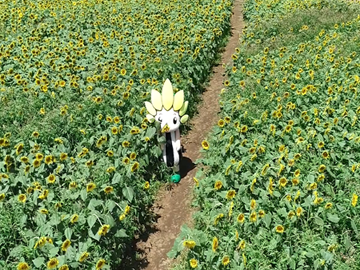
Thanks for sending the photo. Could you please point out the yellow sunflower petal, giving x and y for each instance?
(167, 95)
(178, 100)
(150, 108)
(156, 100)
(184, 108)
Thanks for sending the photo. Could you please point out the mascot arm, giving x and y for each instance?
(177, 140)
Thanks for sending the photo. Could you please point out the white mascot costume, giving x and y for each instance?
(169, 110)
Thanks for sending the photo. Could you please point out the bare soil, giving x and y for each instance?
(172, 207)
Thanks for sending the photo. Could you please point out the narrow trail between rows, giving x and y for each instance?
(173, 207)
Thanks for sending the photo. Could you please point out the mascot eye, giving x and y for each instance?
(160, 120)
(175, 120)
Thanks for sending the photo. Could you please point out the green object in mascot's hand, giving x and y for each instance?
(169, 110)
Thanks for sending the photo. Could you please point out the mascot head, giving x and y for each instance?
(166, 108)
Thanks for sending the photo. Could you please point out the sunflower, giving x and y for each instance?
(51, 179)
(288, 128)
(74, 218)
(125, 144)
(72, 185)
(321, 144)
(19, 148)
(354, 200)
(225, 260)
(252, 204)
(221, 123)
(291, 162)
(44, 211)
(89, 163)
(22, 198)
(299, 211)
(243, 129)
(217, 218)
(126, 160)
(65, 245)
(253, 217)
(328, 205)
(43, 195)
(193, 263)
(84, 256)
(132, 156)
(23, 266)
(36, 134)
(281, 148)
(39, 156)
(2, 197)
(261, 214)
(190, 244)
(282, 182)
(205, 145)
(291, 214)
(261, 149)
(264, 169)
(100, 264)
(40, 243)
(272, 128)
(116, 119)
(146, 185)
(322, 168)
(24, 159)
(58, 205)
(215, 244)
(90, 187)
(318, 200)
(110, 169)
(241, 218)
(270, 186)
(52, 263)
(114, 130)
(135, 166)
(104, 229)
(134, 130)
(230, 194)
(279, 229)
(108, 189)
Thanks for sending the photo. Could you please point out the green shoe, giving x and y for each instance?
(175, 178)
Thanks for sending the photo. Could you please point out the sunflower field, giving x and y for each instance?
(79, 162)
(280, 183)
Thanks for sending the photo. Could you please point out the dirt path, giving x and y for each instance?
(172, 207)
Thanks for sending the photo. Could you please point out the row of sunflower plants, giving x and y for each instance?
(79, 161)
(280, 183)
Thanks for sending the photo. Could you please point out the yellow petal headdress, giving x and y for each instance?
(167, 100)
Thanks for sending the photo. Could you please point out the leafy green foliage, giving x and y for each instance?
(79, 161)
(281, 182)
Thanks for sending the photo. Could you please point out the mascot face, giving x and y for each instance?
(166, 108)
(169, 120)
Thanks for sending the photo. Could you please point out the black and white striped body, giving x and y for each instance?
(172, 149)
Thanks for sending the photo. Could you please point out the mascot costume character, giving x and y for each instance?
(169, 110)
